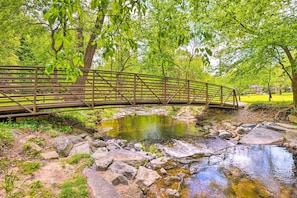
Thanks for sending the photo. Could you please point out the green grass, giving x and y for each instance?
(27, 168)
(284, 99)
(75, 188)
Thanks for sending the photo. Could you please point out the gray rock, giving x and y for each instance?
(157, 163)
(50, 155)
(122, 143)
(63, 145)
(100, 152)
(83, 135)
(146, 177)
(98, 135)
(224, 135)
(103, 163)
(99, 186)
(124, 169)
(248, 125)
(78, 131)
(138, 147)
(241, 130)
(15, 133)
(82, 147)
(115, 178)
(35, 146)
(172, 193)
(75, 139)
(181, 149)
(261, 136)
(99, 143)
(213, 132)
(163, 171)
(112, 145)
(130, 157)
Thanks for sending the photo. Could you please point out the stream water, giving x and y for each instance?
(246, 171)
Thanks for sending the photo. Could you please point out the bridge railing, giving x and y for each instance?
(30, 90)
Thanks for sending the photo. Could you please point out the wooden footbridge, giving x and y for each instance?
(26, 91)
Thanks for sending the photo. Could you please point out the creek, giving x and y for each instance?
(226, 169)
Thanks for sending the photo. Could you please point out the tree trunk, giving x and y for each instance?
(76, 91)
(294, 74)
(294, 86)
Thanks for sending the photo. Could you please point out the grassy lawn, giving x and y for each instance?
(285, 98)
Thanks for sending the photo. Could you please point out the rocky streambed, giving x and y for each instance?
(230, 160)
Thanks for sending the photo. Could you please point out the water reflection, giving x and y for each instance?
(152, 127)
(258, 165)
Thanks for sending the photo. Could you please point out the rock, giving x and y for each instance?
(171, 193)
(34, 146)
(287, 126)
(83, 135)
(130, 157)
(130, 191)
(213, 132)
(292, 118)
(112, 145)
(163, 171)
(157, 163)
(15, 133)
(261, 136)
(75, 139)
(99, 153)
(99, 186)
(78, 131)
(63, 145)
(248, 125)
(181, 149)
(122, 143)
(98, 135)
(124, 169)
(82, 147)
(241, 130)
(146, 177)
(50, 155)
(99, 143)
(26, 138)
(89, 139)
(227, 125)
(138, 147)
(103, 163)
(224, 135)
(114, 178)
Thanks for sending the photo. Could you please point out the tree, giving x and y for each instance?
(256, 33)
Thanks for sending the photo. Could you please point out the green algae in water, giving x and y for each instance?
(152, 127)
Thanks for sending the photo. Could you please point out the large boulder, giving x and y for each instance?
(103, 163)
(124, 169)
(63, 145)
(262, 136)
(146, 177)
(99, 153)
(79, 148)
(99, 187)
(129, 157)
(114, 178)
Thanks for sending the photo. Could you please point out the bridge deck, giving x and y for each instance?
(30, 91)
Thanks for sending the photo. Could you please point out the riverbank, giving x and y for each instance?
(121, 168)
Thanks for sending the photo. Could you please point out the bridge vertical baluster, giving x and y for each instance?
(164, 90)
(188, 91)
(35, 90)
(221, 95)
(93, 89)
(206, 93)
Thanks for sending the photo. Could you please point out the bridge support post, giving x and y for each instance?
(134, 89)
